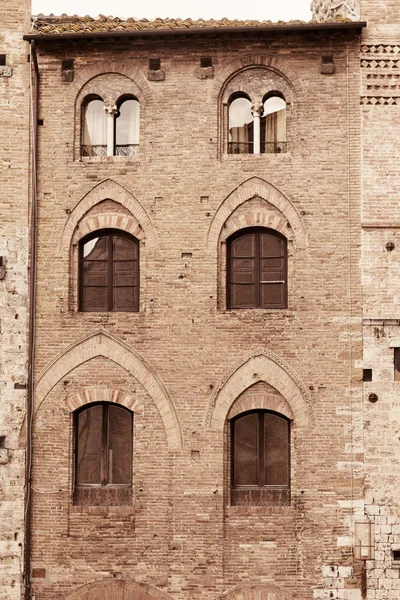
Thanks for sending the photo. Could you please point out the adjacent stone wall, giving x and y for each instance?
(14, 172)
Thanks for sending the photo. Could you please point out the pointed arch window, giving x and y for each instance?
(109, 272)
(256, 269)
(103, 454)
(260, 458)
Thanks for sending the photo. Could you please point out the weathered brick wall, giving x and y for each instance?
(14, 164)
(380, 105)
(186, 357)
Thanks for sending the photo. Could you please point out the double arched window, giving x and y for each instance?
(103, 454)
(260, 458)
(256, 127)
(256, 269)
(110, 130)
(109, 272)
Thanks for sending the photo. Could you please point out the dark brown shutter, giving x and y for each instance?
(95, 265)
(119, 447)
(272, 271)
(242, 272)
(276, 450)
(89, 446)
(257, 270)
(246, 443)
(109, 267)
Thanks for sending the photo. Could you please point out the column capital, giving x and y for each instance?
(257, 108)
(111, 110)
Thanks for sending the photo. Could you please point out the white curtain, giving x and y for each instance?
(127, 123)
(95, 124)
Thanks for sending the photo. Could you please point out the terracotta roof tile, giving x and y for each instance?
(48, 25)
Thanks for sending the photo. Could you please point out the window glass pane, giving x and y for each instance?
(273, 121)
(246, 450)
(95, 249)
(244, 246)
(125, 298)
(89, 446)
(124, 249)
(271, 246)
(276, 440)
(119, 445)
(240, 127)
(95, 299)
(127, 123)
(94, 124)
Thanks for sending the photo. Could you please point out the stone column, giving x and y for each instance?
(111, 111)
(257, 109)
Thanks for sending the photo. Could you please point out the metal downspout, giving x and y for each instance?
(32, 323)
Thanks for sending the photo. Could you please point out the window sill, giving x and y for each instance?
(258, 312)
(261, 156)
(102, 510)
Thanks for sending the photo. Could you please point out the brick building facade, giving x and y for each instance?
(205, 234)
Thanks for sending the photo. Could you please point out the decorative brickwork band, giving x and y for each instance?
(103, 344)
(101, 394)
(256, 187)
(120, 589)
(260, 365)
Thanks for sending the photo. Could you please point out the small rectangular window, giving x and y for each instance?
(397, 364)
(155, 64)
(367, 374)
(3, 60)
(396, 555)
(205, 61)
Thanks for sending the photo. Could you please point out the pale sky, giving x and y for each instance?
(261, 10)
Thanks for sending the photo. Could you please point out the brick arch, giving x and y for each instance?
(255, 186)
(108, 189)
(112, 589)
(260, 592)
(256, 218)
(277, 64)
(103, 68)
(259, 365)
(101, 394)
(108, 221)
(103, 344)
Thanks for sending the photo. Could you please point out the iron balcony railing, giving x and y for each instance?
(101, 150)
(265, 147)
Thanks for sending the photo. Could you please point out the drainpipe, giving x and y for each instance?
(32, 323)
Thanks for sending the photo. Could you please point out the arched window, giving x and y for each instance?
(94, 130)
(103, 454)
(257, 269)
(109, 272)
(127, 122)
(260, 458)
(273, 125)
(240, 139)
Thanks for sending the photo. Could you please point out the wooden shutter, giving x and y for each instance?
(257, 270)
(272, 271)
(109, 273)
(242, 272)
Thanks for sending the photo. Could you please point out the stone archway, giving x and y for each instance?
(119, 589)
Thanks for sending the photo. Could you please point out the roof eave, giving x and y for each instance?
(306, 27)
